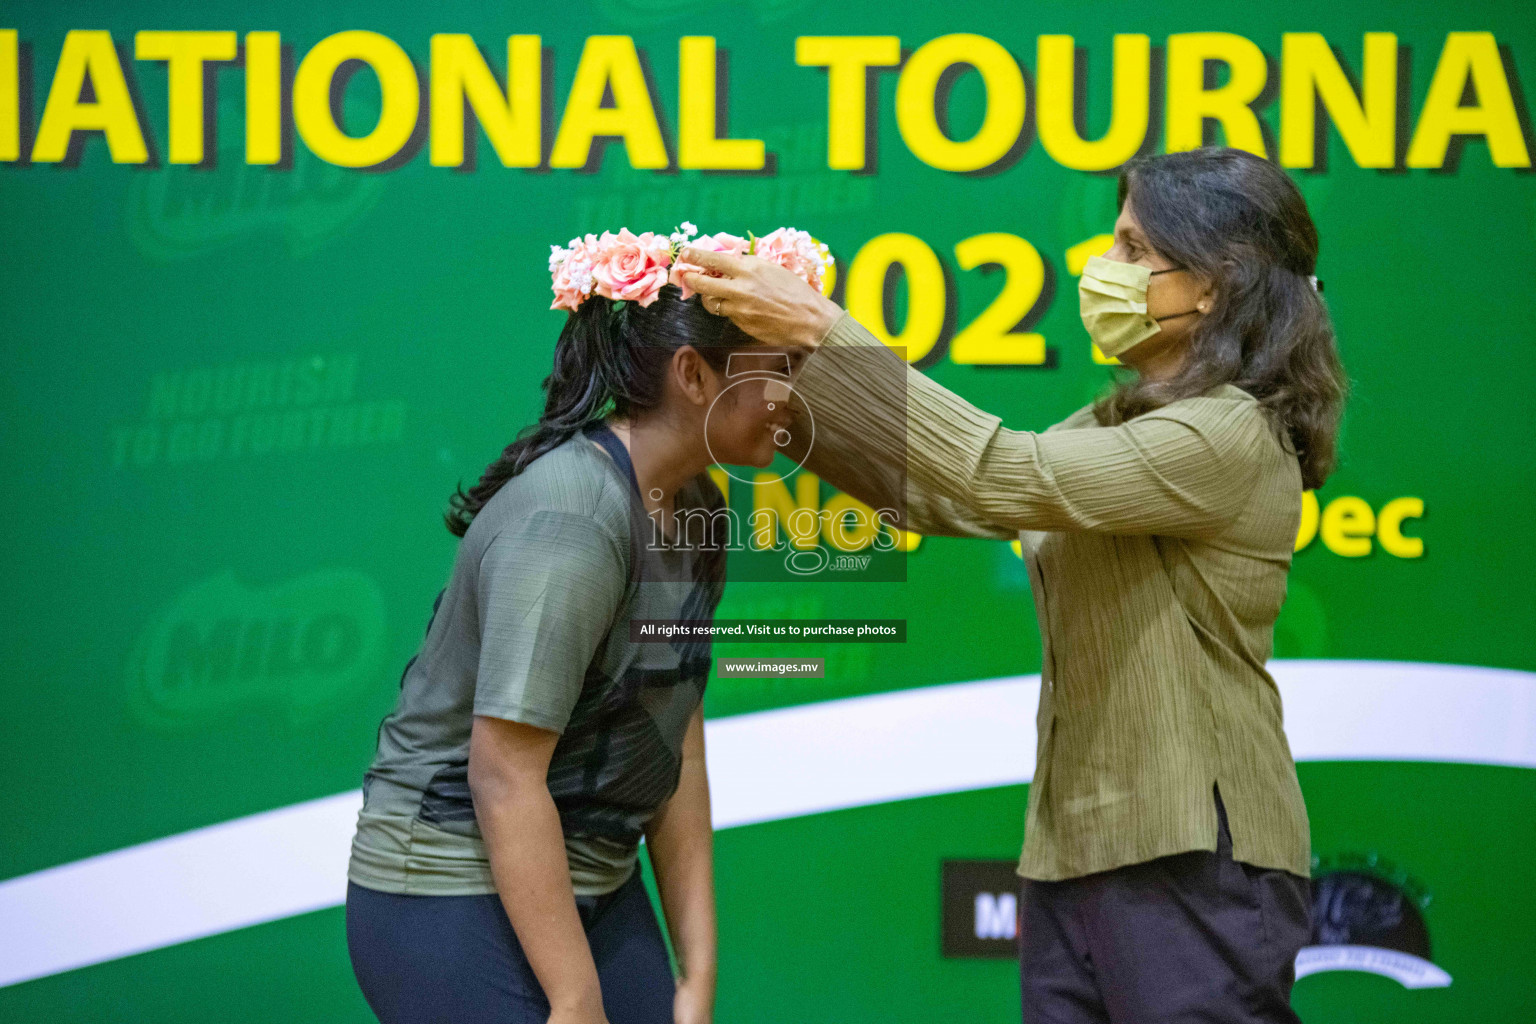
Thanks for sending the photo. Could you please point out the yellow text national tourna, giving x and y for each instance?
(91, 91)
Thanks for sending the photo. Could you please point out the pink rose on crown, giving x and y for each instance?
(795, 251)
(718, 242)
(631, 267)
(571, 270)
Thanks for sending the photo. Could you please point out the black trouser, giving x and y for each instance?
(456, 959)
(1193, 937)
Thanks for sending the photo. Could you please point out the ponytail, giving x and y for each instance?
(577, 391)
(611, 358)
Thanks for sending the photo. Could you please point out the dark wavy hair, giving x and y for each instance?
(1238, 220)
(611, 358)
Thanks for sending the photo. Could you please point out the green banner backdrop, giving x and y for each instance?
(275, 280)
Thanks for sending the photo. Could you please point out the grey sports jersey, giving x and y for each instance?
(533, 626)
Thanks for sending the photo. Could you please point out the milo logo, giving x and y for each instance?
(297, 648)
(185, 210)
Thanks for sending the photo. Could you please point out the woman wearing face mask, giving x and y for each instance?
(1166, 849)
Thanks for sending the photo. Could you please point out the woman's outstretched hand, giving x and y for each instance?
(765, 300)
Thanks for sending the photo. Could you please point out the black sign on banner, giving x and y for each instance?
(980, 908)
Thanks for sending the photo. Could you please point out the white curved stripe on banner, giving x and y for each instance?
(1406, 969)
(764, 766)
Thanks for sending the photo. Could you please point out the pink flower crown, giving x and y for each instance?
(632, 268)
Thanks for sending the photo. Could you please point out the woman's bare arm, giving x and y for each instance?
(508, 765)
(680, 838)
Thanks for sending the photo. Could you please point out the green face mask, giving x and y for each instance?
(1112, 297)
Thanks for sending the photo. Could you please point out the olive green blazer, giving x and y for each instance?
(1157, 551)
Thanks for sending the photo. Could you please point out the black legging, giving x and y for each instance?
(456, 959)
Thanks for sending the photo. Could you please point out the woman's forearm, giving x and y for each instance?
(681, 842)
(682, 853)
(526, 848)
(867, 427)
